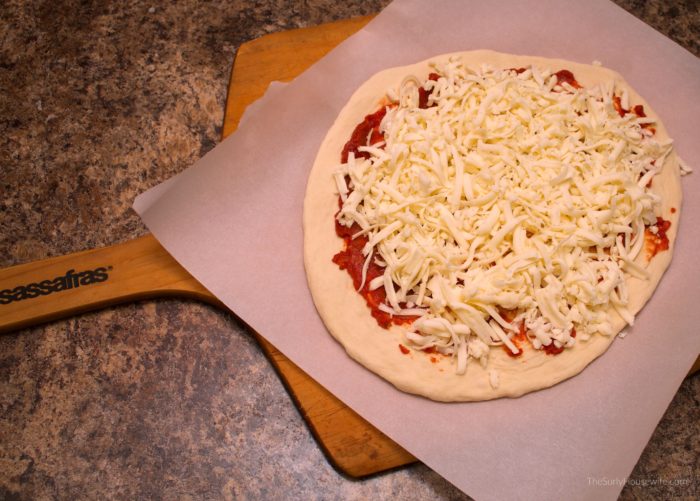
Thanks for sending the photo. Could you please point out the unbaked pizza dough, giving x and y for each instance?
(346, 314)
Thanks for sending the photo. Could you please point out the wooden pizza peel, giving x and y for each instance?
(143, 269)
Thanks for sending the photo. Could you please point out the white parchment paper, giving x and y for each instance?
(234, 221)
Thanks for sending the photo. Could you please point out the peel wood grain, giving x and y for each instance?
(142, 268)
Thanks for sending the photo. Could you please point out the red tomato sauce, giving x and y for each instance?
(565, 76)
(365, 134)
(351, 258)
(551, 349)
(423, 94)
(637, 110)
(431, 350)
(657, 242)
(521, 337)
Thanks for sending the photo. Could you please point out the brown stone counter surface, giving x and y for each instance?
(173, 399)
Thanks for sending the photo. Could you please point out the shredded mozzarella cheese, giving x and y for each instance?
(510, 191)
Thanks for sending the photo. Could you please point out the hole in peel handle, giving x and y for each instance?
(62, 286)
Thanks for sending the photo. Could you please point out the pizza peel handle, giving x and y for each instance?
(58, 287)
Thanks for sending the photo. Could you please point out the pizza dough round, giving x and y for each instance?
(345, 312)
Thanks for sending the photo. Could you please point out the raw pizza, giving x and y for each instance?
(481, 225)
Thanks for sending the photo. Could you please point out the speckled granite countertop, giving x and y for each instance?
(98, 102)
